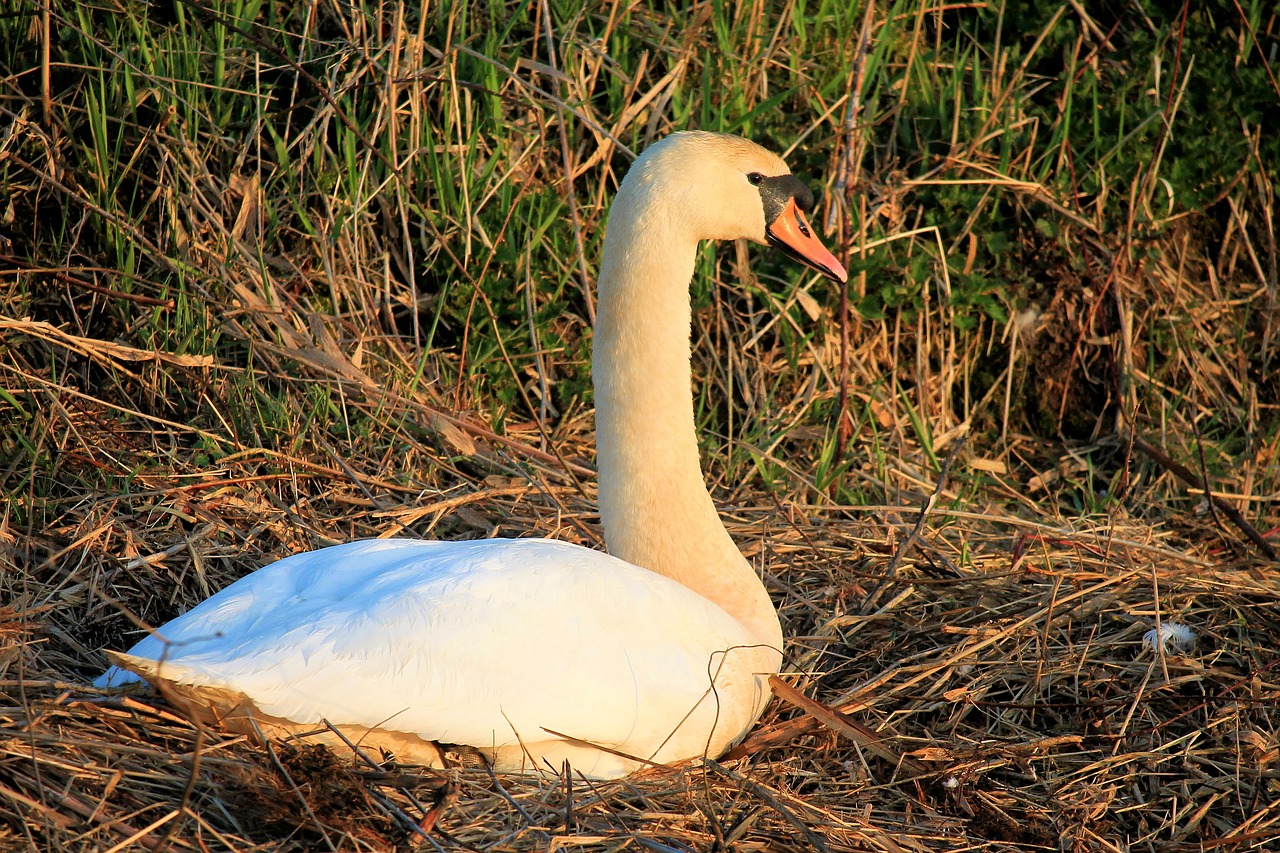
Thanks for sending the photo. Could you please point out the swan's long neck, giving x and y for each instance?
(653, 499)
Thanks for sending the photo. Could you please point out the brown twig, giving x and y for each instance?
(926, 507)
(1186, 475)
(566, 154)
(66, 278)
(46, 48)
(846, 177)
(867, 739)
(815, 842)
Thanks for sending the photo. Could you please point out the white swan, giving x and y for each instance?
(535, 651)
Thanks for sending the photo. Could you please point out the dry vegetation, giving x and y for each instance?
(276, 277)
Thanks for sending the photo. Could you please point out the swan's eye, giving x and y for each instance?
(756, 179)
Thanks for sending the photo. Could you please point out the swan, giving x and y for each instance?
(537, 652)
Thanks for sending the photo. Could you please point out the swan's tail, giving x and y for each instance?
(215, 706)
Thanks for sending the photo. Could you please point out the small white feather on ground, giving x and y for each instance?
(1171, 636)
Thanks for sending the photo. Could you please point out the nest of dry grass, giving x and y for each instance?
(995, 690)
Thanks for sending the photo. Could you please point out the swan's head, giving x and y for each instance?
(724, 187)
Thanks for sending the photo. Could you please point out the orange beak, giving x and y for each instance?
(790, 232)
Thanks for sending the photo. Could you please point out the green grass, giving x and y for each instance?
(408, 201)
(275, 274)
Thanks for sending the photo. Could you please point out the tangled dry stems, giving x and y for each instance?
(1000, 681)
(968, 676)
(1010, 703)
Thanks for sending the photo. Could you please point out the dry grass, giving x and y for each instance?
(214, 354)
(1013, 703)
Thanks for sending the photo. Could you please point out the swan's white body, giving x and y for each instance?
(477, 643)
(534, 651)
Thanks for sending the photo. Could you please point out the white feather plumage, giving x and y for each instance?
(389, 633)
(1170, 637)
